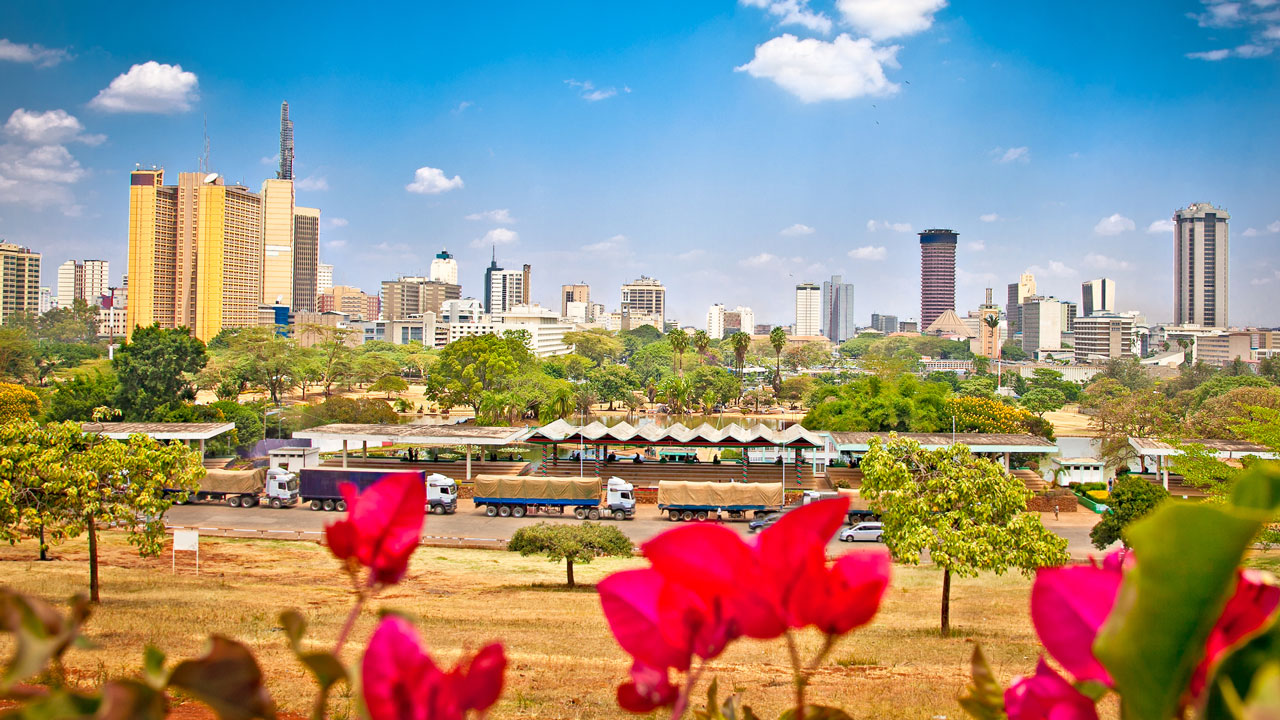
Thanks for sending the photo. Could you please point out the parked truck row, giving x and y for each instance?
(520, 495)
(683, 500)
(316, 487)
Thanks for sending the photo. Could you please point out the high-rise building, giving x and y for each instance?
(1042, 319)
(808, 310)
(884, 323)
(715, 321)
(352, 301)
(70, 280)
(1018, 292)
(988, 341)
(306, 258)
(20, 287)
(1097, 296)
(1069, 312)
(837, 309)
(645, 296)
(286, 144)
(88, 281)
(444, 269)
(410, 296)
(277, 241)
(739, 319)
(1102, 336)
(937, 274)
(504, 289)
(324, 278)
(1200, 265)
(580, 293)
(46, 300)
(195, 253)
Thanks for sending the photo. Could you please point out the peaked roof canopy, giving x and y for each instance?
(652, 434)
(949, 323)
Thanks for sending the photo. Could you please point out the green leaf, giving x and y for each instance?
(227, 679)
(1168, 603)
(58, 705)
(295, 626)
(1238, 673)
(983, 699)
(325, 666)
(40, 632)
(817, 712)
(153, 666)
(1263, 702)
(131, 700)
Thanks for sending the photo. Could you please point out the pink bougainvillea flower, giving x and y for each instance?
(382, 527)
(842, 597)
(1251, 608)
(650, 688)
(630, 600)
(401, 682)
(1046, 696)
(1068, 606)
(792, 554)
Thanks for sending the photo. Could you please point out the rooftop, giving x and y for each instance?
(461, 434)
(159, 431)
(978, 442)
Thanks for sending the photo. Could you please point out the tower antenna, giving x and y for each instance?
(204, 159)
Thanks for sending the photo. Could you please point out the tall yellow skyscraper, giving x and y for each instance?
(278, 245)
(195, 253)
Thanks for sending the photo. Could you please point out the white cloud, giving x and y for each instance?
(1220, 14)
(975, 245)
(501, 216)
(874, 225)
(51, 127)
(612, 244)
(1251, 232)
(431, 181)
(1010, 155)
(151, 87)
(497, 236)
(589, 92)
(691, 255)
(313, 182)
(1274, 227)
(1260, 281)
(796, 230)
(1272, 33)
(815, 70)
(793, 12)
(1252, 51)
(462, 106)
(869, 252)
(1056, 268)
(39, 177)
(1114, 225)
(335, 244)
(1210, 55)
(882, 19)
(1160, 227)
(989, 217)
(35, 54)
(1102, 262)
(760, 260)
(336, 222)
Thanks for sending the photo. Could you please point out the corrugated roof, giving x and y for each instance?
(978, 442)
(678, 434)
(462, 434)
(159, 431)
(1223, 448)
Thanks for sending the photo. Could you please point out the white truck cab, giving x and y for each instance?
(442, 494)
(620, 496)
(281, 488)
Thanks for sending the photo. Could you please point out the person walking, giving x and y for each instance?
(1055, 511)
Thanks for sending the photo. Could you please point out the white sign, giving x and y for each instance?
(187, 541)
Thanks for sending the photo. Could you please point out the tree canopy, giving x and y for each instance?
(155, 368)
(572, 543)
(1132, 498)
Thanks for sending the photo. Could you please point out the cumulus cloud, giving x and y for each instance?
(497, 236)
(869, 252)
(151, 87)
(796, 230)
(1219, 14)
(1004, 156)
(883, 19)
(1158, 227)
(1251, 232)
(1271, 228)
(39, 177)
(432, 181)
(501, 216)
(760, 260)
(52, 127)
(1056, 268)
(612, 244)
(975, 245)
(1103, 262)
(589, 92)
(37, 55)
(874, 225)
(989, 217)
(815, 70)
(313, 182)
(1259, 18)
(336, 222)
(1274, 227)
(1114, 225)
(793, 12)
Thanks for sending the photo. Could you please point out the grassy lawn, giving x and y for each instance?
(563, 661)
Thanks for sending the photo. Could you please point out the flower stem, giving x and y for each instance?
(798, 679)
(682, 701)
(350, 623)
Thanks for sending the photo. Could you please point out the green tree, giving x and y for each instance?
(679, 340)
(612, 383)
(872, 404)
(715, 380)
(740, 342)
(676, 393)
(369, 367)
(778, 340)
(570, 543)
(155, 368)
(17, 353)
(982, 363)
(644, 335)
(701, 342)
(856, 347)
(1128, 372)
(595, 344)
(967, 512)
(1131, 415)
(471, 366)
(983, 387)
(1132, 498)
(77, 397)
(331, 348)
(262, 357)
(1012, 351)
(796, 389)
(652, 362)
(389, 384)
(1041, 400)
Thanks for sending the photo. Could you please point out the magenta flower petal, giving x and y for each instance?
(400, 680)
(1251, 608)
(1046, 696)
(383, 525)
(1068, 605)
(630, 600)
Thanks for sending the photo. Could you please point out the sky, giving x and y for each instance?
(729, 149)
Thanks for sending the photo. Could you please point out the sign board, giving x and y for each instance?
(187, 541)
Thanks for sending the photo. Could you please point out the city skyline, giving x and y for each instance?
(616, 167)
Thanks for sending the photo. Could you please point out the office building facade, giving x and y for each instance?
(884, 323)
(1200, 246)
(715, 321)
(88, 281)
(645, 297)
(1042, 320)
(837, 309)
(277, 242)
(1102, 336)
(1018, 292)
(937, 274)
(324, 278)
(306, 257)
(444, 268)
(808, 310)
(20, 284)
(739, 319)
(580, 293)
(354, 302)
(409, 296)
(1097, 296)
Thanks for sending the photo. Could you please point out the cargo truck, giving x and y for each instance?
(683, 500)
(246, 488)
(319, 489)
(517, 496)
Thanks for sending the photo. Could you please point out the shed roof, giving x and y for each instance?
(977, 442)
(1153, 447)
(653, 434)
(159, 431)
(461, 434)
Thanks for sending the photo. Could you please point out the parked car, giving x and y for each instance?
(763, 522)
(867, 531)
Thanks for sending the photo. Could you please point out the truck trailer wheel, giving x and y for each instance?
(594, 514)
(505, 511)
(275, 503)
(234, 501)
(316, 505)
(702, 515)
(673, 515)
(687, 515)
(517, 511)
(328, 505)
(248, 501)
(340, 506)
(490, 510)
(438, 509)
(580, 513)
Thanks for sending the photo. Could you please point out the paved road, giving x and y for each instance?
(473, 527)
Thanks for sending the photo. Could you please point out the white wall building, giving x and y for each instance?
(808, 310)
(1042, 320)
(1097, 296)
(444, 268)
(1102, 336)
(715, 321)
(324, 279)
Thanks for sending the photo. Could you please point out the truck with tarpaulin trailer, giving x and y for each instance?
(245, 488)
(319, 487)
(520, 495)
(688, 500)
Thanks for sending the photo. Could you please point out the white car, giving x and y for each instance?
(867, 531)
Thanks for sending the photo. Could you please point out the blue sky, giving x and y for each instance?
(728, 149)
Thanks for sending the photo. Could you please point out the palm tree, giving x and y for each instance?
(778, 339)
(708, 402)
(633, 403)
(679, 343)
(675, 393)
(583, 399)
(740, 342)
(701, 342)
(561, 401)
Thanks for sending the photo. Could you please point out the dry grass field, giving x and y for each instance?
(563, 661)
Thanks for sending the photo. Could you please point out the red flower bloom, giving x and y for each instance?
(845, 596)
(630, 600)
(1046, 696)
(382, 527)
(650, 688)
(1068, 606)
(1251, 608)
(401, 682)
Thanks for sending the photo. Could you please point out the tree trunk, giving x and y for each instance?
(946, 602)
(570, 566)
(93, 560)
(44, 554)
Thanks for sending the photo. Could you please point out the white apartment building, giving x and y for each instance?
(324, 279)
(506, 289)
(87, 281)
(740, 319)
(1097, 296)
(1102, 336)
(444, 268)
(645, 296)
(577, 312)
(715, 321)
(1042, 320)
(808, 310)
